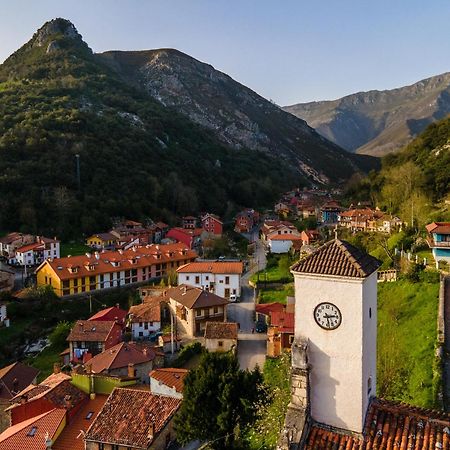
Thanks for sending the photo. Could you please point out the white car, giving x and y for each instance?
(233, 298)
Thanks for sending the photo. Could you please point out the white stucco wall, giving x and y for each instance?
(139, 327)
(277, 246)
(343, 359)
(156, 387)
(206, 280)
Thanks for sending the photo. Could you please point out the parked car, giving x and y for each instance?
(261, 327)
(233, 298)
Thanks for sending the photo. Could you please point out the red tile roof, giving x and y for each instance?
(388, 426)
(193, 297)
(132, 418)
(338, 258)
(283, 320)
(149, 311)
(268, 308)
(18, 437)
(218, 267)
(138, 257)
(119, 356)
(171, 377)
(109, 314)
(95, 331)
(284, 237)
(221, 330)
(71, 437)
(439, 227)
(14, 378)
(29, 247)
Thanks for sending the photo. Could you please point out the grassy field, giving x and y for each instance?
(74, 249)
(277, 270)
(406, 342)
(276, 294)
(265, 432)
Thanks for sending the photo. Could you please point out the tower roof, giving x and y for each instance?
(338, 258)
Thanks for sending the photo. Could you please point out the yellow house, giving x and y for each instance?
(101, 240)
(79, 274)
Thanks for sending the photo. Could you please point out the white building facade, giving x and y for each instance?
(223, 278)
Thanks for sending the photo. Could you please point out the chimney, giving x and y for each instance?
(151, 431)
(145, 351)
(117, 306)
(68, 402)
(131, 370)
(56, 367)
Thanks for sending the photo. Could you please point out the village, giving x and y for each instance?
(193, 287)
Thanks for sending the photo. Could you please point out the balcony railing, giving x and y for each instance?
(438, 244)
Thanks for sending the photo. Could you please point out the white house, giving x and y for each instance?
(4, 321)
(37, 252)
(280, 243)
(168, 382)
(223, 278)
(145, 319)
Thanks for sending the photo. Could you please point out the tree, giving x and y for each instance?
(219, 400)
(59, 335)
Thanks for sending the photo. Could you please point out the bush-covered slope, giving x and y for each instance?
(137, 158)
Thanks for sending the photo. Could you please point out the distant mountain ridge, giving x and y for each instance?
(237, 115)
(379, 122)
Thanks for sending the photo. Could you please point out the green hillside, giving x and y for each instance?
(137, 158)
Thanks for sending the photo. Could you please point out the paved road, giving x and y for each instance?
(251, 346)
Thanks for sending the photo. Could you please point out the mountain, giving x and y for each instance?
(139, 157)
(237, 115)
(379, 122)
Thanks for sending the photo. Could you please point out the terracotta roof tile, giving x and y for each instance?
(338, 258)
(132, 417)
(439, 227)
(112, 313)
(150, 311)
(221, 330)
(389, 426)
(283, 320)
(94, 331)
(221, 267)
(14, 378)
(30, 434)
(171, 377)
(71, 437)
(267, 308)
(193, 297)
(119, 356)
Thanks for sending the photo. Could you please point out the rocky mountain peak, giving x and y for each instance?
(53, 29)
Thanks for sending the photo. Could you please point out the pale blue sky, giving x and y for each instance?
(288, 51)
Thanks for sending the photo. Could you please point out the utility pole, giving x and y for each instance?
(171, 332)
(77, 159)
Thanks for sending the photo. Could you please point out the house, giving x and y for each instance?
(189, 222)
(109, 269)
(169, 343)
(6, 280)
(329, 212)
(168, 382)
(363, 220)
(133, 419)
(14, 378)
(439, 241)
(92, 338)
(282, 243)
(4, 320)
(306, 209)
(145, 318)
(36, 433)
(310, 236)
(212, 225)
(193, 308)
(56, 391)
(276, 227)
(280, 333)
(12, 241)
(114, 313)
(333, 371)
(221, 336)
(71, 437)
(189, 237)
(102, 240)
(221, 277)
(246, 220)
(37, 252)
(124, 359)
(264, 310)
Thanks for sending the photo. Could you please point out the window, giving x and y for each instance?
(291, 339)
(216, 309)
(141, 333)
(197, 280)
(101, 446)
(207, 278)
(370, 313)
(187, 277)
(198, 312)
(146, 326)
(227, 280)
(114, 447)
(220, 343)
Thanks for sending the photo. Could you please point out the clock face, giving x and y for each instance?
(327, 316)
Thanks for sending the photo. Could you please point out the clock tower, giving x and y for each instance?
(336, 322)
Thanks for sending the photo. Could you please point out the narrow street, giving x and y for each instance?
(251, 346)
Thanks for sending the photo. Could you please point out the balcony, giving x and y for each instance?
(436, 244)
